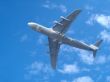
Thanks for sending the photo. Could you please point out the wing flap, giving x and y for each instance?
(63, 25)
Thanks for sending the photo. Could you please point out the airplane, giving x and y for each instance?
(56, 36)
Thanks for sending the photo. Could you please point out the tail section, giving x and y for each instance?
(96, 47)
(97, 44)
(94, 53)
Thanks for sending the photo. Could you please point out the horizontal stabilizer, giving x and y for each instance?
(94, 53)
(97, 44)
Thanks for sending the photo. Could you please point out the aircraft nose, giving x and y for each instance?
(32, 24)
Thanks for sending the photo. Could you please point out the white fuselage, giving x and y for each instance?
(46, 31)
(59, 37)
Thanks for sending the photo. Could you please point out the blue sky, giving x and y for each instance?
(24, 53)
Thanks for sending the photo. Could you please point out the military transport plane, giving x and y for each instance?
(56, 36)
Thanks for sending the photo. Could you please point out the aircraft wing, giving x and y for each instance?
(63, 25)
(54, 49)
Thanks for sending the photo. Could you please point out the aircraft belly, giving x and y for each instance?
(56, 36)
(75, 43)
(50, 33)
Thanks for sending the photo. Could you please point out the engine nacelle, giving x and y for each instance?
(56, 22)
(64, 18)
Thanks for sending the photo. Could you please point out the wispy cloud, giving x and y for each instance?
(50, 5)
(66, 48)
(91, 20)
(23, 38)
(62, 8)
(83, 79)
(36, 68)
(86, 57)
(105, 35)
(41, 39)
(70, 69)
(33, 53)
(89, 8)
(101, 60)
(102, 19)
(64, 81)
(108, 79)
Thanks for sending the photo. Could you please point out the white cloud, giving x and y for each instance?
(69, 69)
(101, 60)
(91, 20)
(105, 36)
(63, 8)
(86, 57)
(36, 68)
(83, 79)
(101, 19)
(50, 5)
(66, 48)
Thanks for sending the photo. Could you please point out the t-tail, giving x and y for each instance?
(96, 47)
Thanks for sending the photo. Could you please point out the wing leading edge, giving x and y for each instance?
(54, 49)
(63, 25)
